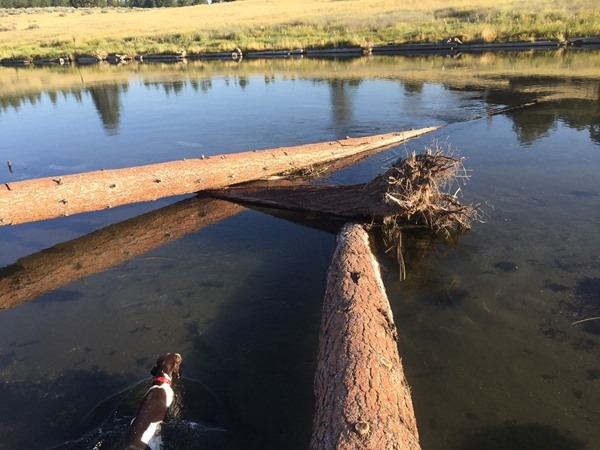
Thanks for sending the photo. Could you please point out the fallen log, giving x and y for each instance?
(410, 194)
(362, 398)
(49, 269)
(46, 198)
(36, 274)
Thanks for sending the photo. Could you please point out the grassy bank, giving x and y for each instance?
(277, 24)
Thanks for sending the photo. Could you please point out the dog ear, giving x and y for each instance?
(176, 372)
(177, 369)
(155, 370)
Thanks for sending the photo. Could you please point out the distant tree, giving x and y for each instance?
(84, 3)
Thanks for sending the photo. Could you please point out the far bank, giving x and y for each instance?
(259, 25)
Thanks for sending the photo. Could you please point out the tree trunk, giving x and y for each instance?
(46, 198)
(362, 398)
(413, 193)
(34, 275)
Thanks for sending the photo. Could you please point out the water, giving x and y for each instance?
(485, 320)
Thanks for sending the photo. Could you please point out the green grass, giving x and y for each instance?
(284, 24)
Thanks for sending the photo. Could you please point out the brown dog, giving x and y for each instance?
(144, 428)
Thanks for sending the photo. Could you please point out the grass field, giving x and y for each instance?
(277, 24)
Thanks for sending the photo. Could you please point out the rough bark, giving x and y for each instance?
(362, 398)
(416, 192)
(36, 274)
(46, 198)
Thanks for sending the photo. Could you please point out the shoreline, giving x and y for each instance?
(451, 47)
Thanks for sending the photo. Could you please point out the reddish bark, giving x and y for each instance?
(362, 398)
(46, 198)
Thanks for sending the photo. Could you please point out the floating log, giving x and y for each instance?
(36, 274)
(41, 272)
(454, 45)
(49, 61)
(15, 62)
(510, 46)
(412, 193)
(584, 42)
(296, 53)
(235, 55)
(336, 52)
(160, 57)
(46, 198)
(413, 49)
(85, 60)
(116, 58)
(362, 398)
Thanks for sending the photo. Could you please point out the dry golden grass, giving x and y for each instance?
(259, 24)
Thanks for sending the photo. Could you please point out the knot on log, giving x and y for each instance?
(362, 428)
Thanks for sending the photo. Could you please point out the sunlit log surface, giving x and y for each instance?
(414, 192)
(46, 198)
(36, 274)
(362, 398)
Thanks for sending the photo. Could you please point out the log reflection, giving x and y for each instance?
(36, 274)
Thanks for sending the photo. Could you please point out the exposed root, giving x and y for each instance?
(424, 190)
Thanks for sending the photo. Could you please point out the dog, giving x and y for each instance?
(144, 428)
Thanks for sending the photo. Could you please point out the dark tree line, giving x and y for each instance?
(102, 3)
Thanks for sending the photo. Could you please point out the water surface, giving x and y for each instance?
(485, 320)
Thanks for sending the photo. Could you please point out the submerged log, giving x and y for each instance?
(362, 398)
(36, 274)
(46, 198)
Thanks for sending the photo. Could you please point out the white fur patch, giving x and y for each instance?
(168, 391)
(150, 432)
(151, 436)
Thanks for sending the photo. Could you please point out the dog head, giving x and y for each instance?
(169, 364)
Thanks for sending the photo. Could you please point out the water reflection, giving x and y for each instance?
(107, 100)
(573, 99)
(485, 321)
(342, 93)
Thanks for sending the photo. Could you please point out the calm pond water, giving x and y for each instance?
(485, 320)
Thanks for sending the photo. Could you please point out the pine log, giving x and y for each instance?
(362, 398)
(36, 274)
(415, 192)
(352, 202)
(46, 198)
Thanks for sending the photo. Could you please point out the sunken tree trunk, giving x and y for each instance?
(362, 398)
(46, 198)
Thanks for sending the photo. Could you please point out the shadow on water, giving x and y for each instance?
(243, 362)
(515, 436)
(199, 417)
(66, 396)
